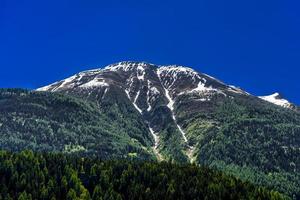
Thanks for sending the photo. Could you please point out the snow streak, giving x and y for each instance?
(170, 105)
(156, 143)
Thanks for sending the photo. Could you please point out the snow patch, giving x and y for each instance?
(201, 88)
(190, 154)
(105, 91)
(181, 130)
(277, 100)
(67, 81)
(60, 84)
(140, 73)
(170, 100)
(151, 93)
(156, 143)
(45, 88)
(96, 82)
(149, 97)
(235, 89)
(205, 93)
(135, 100)
(127, 93)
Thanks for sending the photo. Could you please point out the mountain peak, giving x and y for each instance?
(177, 69)
(277, 99)
(128, 66)
(277, 95)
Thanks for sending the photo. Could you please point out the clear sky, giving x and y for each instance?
(252, 44)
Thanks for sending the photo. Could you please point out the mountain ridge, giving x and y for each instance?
(129, 65)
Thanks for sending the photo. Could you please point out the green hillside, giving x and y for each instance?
(252, 139)
(43, 121)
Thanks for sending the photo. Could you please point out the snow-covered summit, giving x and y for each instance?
(136, 76)
(277, 99)
(177, 78)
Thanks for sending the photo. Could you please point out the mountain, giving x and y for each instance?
(154, 92)
(143, 111)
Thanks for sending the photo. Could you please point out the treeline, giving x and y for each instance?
(29, 175)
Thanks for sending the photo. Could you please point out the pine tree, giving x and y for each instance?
(97, 193)
(71, 195)
(24, 196)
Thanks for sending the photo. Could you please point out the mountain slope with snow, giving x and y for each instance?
(165, 97)
(150, 88)
(172, 113)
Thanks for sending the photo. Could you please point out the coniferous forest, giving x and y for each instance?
(29, 175)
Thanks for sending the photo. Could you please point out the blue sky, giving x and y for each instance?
(251, 44)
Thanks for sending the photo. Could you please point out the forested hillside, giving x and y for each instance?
(27, 175)
(249, 138)
(61, 123)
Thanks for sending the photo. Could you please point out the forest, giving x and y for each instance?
(27, 175)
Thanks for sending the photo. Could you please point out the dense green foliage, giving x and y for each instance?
(44, 121)
(26, 176)
(252, 139)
